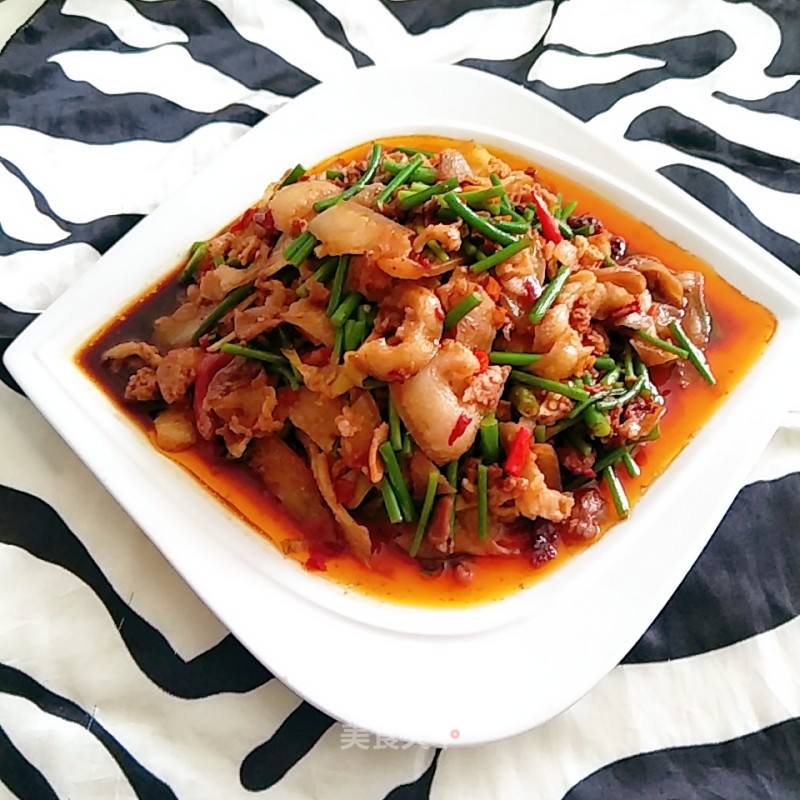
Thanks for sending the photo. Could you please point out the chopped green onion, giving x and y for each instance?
(399, 179)
(573, 392)
(524, 400)
(461, 309)
(345, 309)
(514, 359)
(395, 430)
(695, 353)
(578, 442)
(251, 352)
(500, 255)
(540, 434)
(627, 361)
(649, 387)
(481, 195)
(322, 274)
(334, 174)
(198, 251)
(390, 502)
(630, 465)
(420, 196)
(604, 362)
(407, 450)
(610, 458)
(479, 223)
(578, 410)
(300, 249)
(584, 230)
(596, 422)
(425, 175)
(451, 473)
(565, 229)
(337, 288)
(610, 378)
(232, 299)
(559, 427)
(548, 296)
(483, 500)
(609, 262)
(369, 174)
(566, 211)
(219, 260)
(618, 495)
(490, 438)
(613, 400)
(398, 482)
(410, 151)
(294, 176)
(355, 331)
(338, 344)
(662, 344)
(425, 514)
(437, 250)
(512, 226)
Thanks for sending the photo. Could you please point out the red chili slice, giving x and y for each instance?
(458, 429)
(483, 359)
(550, 229)
(242, 221)
(518, 452)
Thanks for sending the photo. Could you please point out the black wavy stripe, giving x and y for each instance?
(100, 233)
(715, 194)
(418, 16)
(419, 789)
(37, 94)
(266, 764)
(30, 524)
(332, 29)
(12, 323)
(786, 103)
(19, 775)
(146, 785)
(516, 69)
(5, 375)
(691, 137)
(746, 581)
(214, 41)
(761, 766)
(786, 14)
(684, 57)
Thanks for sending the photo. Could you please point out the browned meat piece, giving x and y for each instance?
(176, 372)
(142, 386)
(289, 478)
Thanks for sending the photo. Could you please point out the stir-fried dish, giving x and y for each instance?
(420, 350)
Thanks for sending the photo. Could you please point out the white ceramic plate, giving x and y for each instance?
(440, 677)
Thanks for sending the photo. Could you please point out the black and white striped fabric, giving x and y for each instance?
(115, 681)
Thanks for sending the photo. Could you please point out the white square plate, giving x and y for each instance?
(369, 663)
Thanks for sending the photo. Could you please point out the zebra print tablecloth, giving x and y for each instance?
(115, 681)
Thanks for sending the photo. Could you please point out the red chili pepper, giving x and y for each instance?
(518, 452)
(623, 311)
(210, 365)
(461, 425)
(242, 221)
(483, 359)
(550, 229)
